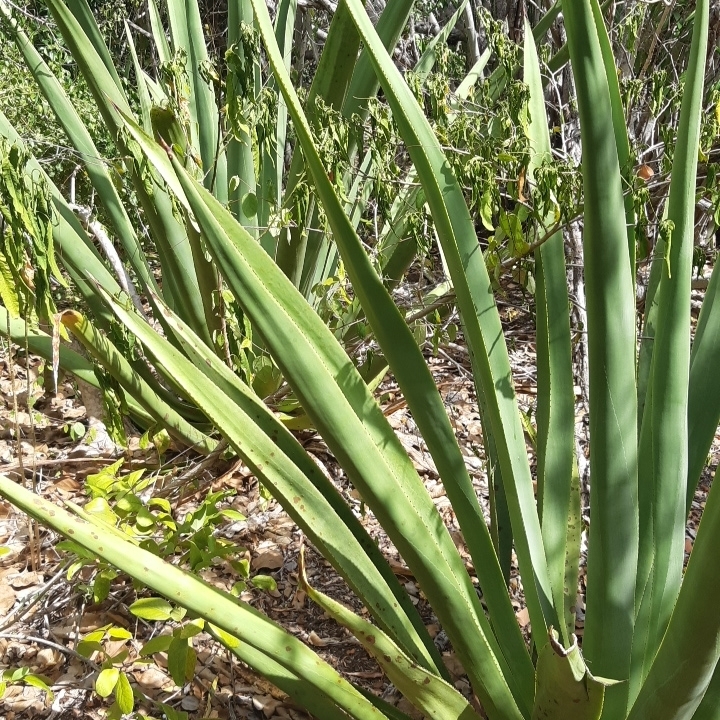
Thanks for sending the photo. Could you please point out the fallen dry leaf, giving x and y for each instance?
(7, 599)
(269, 559)
(190, 703)
(454, 666)
(267, 704)
(316, 640)
(152, 679)
(47, 657)
(523, 617)
(26, 579)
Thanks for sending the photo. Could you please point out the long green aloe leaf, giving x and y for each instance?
(664, 435)
(688, 654)
(709, 708)
(481, 320)
(613, 543)
(86, 20)
(434, 697)
(304, 245)
(704, 388)
(141, 83)
(555, 388)
(365, 83)
(415, 380)
(622, 141)
(227, 612)
(341, 407)
(241, 90)
(294, 479)
(273, 146)
(158, 32)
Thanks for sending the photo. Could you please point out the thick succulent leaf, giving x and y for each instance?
(555, 387)
(186, 31)
(84, 15)
(622, 140)
(476, 73)
(228, 613)
(690, 648)
(141, 81)
(709, 708)
(664, 435)
(272, 164)
(340, 405)
(704, 385)
(158, 32)
(241, 167)
(286, 469)
(434, 697)
(613, 545)
(303, 250)
(365, 83)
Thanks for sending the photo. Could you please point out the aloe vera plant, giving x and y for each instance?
(650, 646)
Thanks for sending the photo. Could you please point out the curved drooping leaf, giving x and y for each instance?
(420, 391)
(663, 467)
(340, 406)
(434, 697)
(222, 609)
